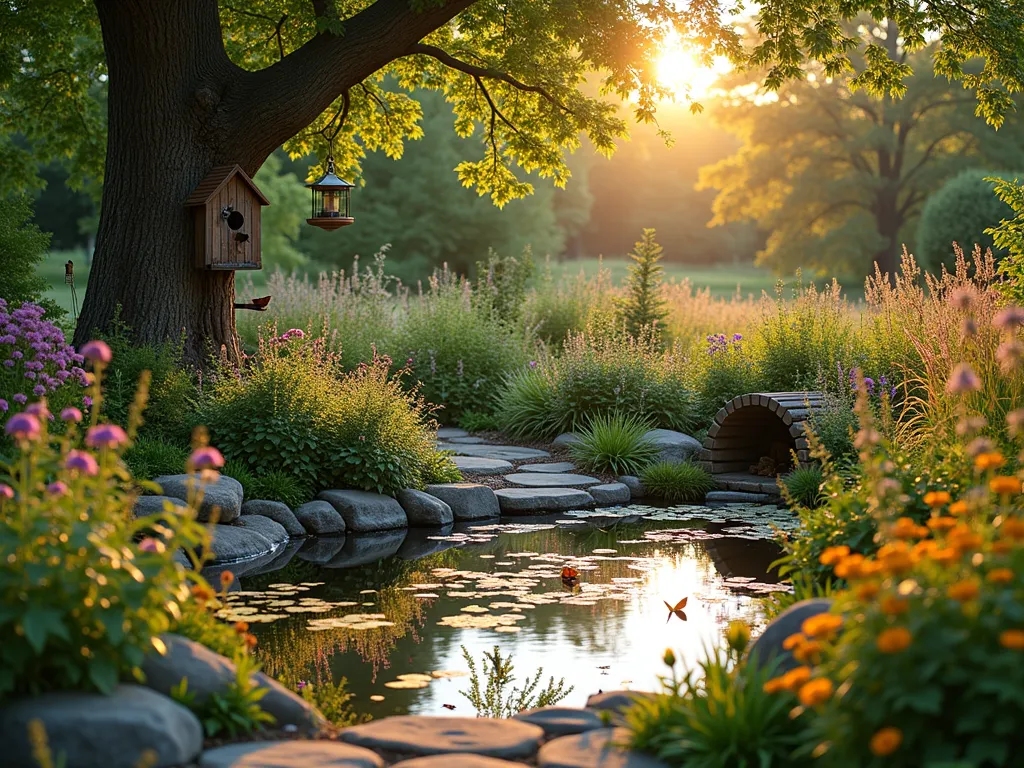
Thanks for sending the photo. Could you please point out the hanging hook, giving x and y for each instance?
(340, 118)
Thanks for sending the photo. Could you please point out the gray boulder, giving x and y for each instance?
(209, 673)
(528, 501)
(561, 721)
(225, 495)
(636, 487)
(769, 645)
(276, 511)
(279, 560)
(92, 729)
(364, 548)
(566, 439)
(468, 501)
(593, 749)
(673, 447)
(270, 530)
(321, 549)
(366, 512)
(424, 510)
(240, 543)
(320, 518)
(610, 493)
(301, 753)
(154, 505)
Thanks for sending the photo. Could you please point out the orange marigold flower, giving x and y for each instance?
(1012, 639)
(893, 640)
(989, 460)
(226, 577)
(832, 555)
(250, 640)
(896, 557)
(959, 508)
(850, 567)
(793, 679)
(1004, 485)
(202, 593)
(894, 606)
(963, 591)
(1002, 547)
(815, 692)
(774, 685)
(793, 641)
(963, 538)
(906, 528)
(1012, 528)
(946, 555)
(822, 625)
(808, 653)
(941, 523)
(867, 590)
(241, 627)
(937, 498)
(886, 741)
(1000, 576)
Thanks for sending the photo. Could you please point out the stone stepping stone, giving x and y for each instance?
(555, 466)
(566, 438)
(530, 501)
(456, 761)
(289, 754)
(477, 466)
(112, 731)
(439, 735)
(467, 440)
(552, 480)
(561, 721)
(610, 493)
(446, 433)
(594, 749)
(506, 452)
(468, 501)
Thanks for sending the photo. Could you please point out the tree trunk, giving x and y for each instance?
(888, 223)
(163, 139)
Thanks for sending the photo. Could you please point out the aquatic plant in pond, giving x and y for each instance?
(495, 700)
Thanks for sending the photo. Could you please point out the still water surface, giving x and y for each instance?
(407, 614)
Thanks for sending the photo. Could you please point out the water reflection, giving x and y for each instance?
(501, 585)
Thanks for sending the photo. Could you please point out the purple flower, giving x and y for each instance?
(302, 684)
(206, 458)
(86, 401)
(20, 399)
(9, 338)
(6, 492)
(737, 337)
(56, 488)
(71, 414)
(105, 436)
(23, 426)
(8, 363)
(963, 379)
(39, 410)
(38, 390)
(149, 544)
(80, 461)
(3, 405)
(97, 352)
(1007, 320)
(294, 333)
(533, 363)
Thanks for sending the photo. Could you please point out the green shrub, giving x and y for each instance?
(477, 421)
(84, 591)
(439, 468)
(331, 699)
(717, 715)
(294, 410)
(959, 211)
(236, 709)
(557, 308)
(803, 485)
(615, 443)
(834, 424)
(239, 470)
(643, 305)
(277, 485)
(501, 282)
(721, 373)
(22, 247)
(683, 482)
(148, 458)
(493, 700)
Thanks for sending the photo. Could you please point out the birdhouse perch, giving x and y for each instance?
(226, 216)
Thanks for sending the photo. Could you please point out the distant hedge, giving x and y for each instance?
(960, 211)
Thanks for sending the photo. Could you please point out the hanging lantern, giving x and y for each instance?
(331, 204)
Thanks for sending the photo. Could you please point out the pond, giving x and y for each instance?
(394, 627)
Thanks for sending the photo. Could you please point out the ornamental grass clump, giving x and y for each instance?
(679, 482)
(85, 587)
(615, 443)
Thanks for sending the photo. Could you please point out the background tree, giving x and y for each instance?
(191, 87)
(835, 177)
(643, 305)
(22, 246)
(283, 221)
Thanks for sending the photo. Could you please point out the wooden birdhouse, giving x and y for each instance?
(226, 216)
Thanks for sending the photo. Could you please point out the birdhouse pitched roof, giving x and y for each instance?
(216, 179)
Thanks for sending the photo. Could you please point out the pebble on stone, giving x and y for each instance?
(474, 465)
(550, 480)
(520, 501)
(438, 735)
(594, 749)
(289, 754)
(561, 721)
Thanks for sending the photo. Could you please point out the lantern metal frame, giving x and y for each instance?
(331, 200)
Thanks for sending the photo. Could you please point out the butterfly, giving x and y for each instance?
(448, 706)
(570, 575)
(676, 610)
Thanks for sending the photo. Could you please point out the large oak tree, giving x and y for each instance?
(192, 84)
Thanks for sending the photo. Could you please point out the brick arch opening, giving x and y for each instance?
(763, 424)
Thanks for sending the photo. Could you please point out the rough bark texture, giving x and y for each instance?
(177, 108)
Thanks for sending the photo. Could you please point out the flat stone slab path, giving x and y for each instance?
(550, 480)
(445, 433)
(290, 754)
(592, 749)
(437, 735)
(561, 721)
(555, 466)
(507, 452)
(478, 466)
(467, 440)
(530, 501)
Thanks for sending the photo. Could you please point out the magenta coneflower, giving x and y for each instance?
(206, 458)
(23, 426)
(6, 492)
(105, 436)
(82, 462)
(56, 488)
(71, 414)
(149, 544)
(962, 380)
(97, 351)
(1009, 318)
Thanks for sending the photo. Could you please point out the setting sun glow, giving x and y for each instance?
(680, 70)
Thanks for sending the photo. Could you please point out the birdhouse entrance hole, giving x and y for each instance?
(235, 220)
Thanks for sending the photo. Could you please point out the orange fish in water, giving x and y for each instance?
(570, 575)
(676, 610)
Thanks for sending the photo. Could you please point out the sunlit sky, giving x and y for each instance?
(680, 69)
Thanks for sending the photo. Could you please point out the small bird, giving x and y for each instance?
(676, 610)
(448, 706)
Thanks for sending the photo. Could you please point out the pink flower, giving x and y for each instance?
(71, 414)
(105, 436)
(23, 426)
(963, 379)
(56, 488)
(97, 351)
(1009, 318)
(86, 401)
(294, 333)
(80, 461)
(149, 544)
(39, 410)
(6, 492)
(206, 458)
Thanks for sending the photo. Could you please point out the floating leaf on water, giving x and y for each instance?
(345, 604)
(426, 595)
(406, 684)
(511, 628)
(311, 584)
(308, 608)
(415, 677)
(474, 609)
(376, 697)
(280, 603)
(505, 562)
(486, 557)
(604, 551)
(444, 674)
(469, 621)
(367, 604)
(368, 592)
